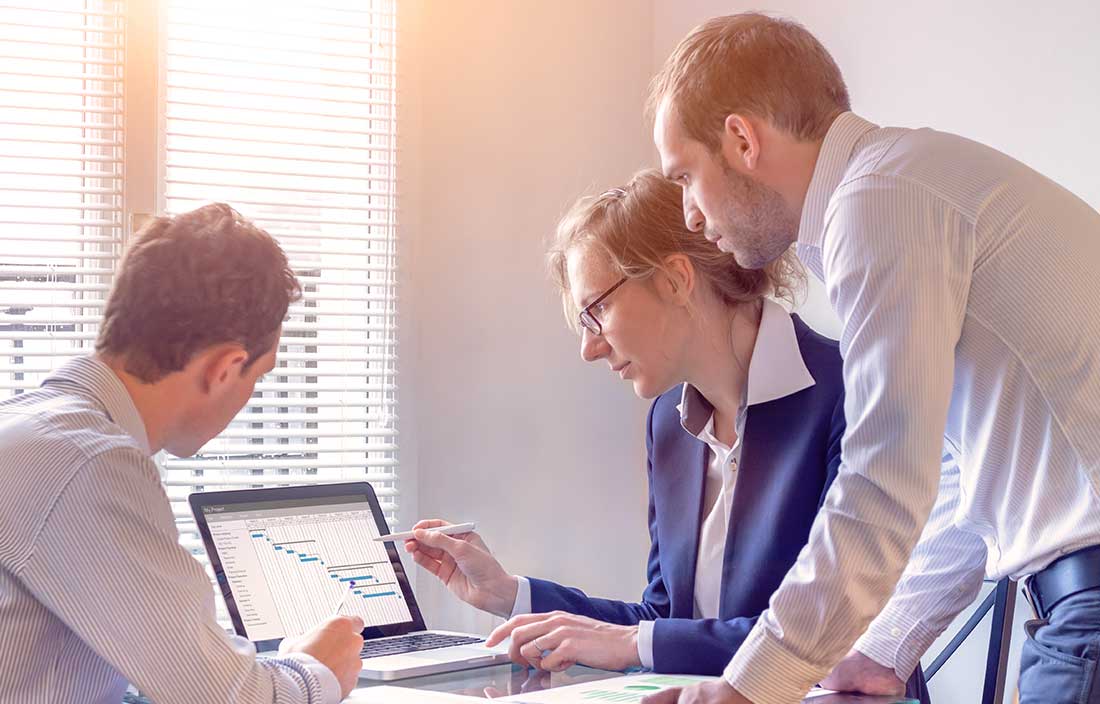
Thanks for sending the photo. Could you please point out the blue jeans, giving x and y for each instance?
(1058, 664)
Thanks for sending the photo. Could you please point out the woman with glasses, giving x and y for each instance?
(743, 440)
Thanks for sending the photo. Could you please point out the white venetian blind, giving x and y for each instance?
(286, 110)
(60, 180)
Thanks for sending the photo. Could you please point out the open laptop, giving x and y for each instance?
(285, 558)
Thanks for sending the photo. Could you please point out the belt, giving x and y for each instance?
(1068, 575)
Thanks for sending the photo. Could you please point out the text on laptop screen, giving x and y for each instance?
(290, 562)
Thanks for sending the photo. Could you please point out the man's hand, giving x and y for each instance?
(558, 640)
(717, 692)
(335, 644)
(859, 673)
(464, 564)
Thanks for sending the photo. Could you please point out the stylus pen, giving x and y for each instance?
(456, 529)
(340, 604)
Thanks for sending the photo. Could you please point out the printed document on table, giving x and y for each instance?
(624, 689)
(405, 695)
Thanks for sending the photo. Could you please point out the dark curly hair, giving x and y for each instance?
(191, 281)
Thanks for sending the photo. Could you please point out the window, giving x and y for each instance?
(288, 114)
(292, 122)
(60, 180)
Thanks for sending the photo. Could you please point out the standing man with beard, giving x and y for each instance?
(963, 280)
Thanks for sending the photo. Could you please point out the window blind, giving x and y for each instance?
(288, 114)
(60, 180)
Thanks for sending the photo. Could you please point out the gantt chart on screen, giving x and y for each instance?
(290, 563)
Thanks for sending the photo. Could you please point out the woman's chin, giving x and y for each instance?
(643, 390)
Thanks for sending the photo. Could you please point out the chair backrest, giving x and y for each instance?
(1002, 601)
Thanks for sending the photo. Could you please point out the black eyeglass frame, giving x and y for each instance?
(587, 319)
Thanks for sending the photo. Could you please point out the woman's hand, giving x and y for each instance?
(464, 564)
(558, 640)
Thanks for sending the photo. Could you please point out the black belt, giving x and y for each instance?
(1068, 575)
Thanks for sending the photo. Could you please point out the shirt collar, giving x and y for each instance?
(832, 162)
(775, 370)
(97, 380)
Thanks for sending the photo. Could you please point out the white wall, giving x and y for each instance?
(1018, 76)
(512, 109)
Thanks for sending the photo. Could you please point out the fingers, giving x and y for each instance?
(668, 696)
(431, 523)
(435, 539)
(344, 622)
(414, 547)
(505, 629)
(556, 651)
(562, 656)
(537, 636)
(427, 562)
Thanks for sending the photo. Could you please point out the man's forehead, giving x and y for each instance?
(667, 137)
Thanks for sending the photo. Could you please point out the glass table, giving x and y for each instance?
(504, 680)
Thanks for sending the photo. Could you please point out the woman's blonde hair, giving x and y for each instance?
(639, 225)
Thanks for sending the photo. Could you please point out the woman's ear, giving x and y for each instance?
(678, 280)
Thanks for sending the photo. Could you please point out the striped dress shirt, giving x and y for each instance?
(95, 590)
(965, 284)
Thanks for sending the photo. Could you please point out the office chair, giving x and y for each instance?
(1003, 602)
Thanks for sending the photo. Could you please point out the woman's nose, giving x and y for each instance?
(593, 346)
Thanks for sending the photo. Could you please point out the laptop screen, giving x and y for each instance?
(290, 562)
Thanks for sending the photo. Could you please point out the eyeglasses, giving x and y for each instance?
(588, 319)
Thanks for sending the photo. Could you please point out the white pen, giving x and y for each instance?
(340, 604)
(445, 530)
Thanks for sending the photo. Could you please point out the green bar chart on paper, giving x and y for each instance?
(623, 689)
(632, 689)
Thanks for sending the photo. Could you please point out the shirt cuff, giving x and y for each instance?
(645, 644)
(763, 671)
(330, 686)
(896, 639)
(522, 604)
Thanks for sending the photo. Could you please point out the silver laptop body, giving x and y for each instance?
(285, 558)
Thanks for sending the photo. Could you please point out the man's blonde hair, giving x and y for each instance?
(638, 226)
(750, 64)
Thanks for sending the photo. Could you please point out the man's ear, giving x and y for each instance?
(740, 142)
(220, 364)
(677, 279)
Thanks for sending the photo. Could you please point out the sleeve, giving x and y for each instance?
(943, 576)
(897, 262)
(522, 604)
(108, 563)
(645, 644)
(548, 596)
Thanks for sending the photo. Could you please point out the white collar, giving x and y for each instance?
(832, 162)
(776, 369)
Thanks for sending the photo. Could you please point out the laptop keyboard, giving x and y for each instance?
(414, 642)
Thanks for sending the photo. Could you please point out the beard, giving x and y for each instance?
(756, 225)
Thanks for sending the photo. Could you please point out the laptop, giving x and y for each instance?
(286, 558)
